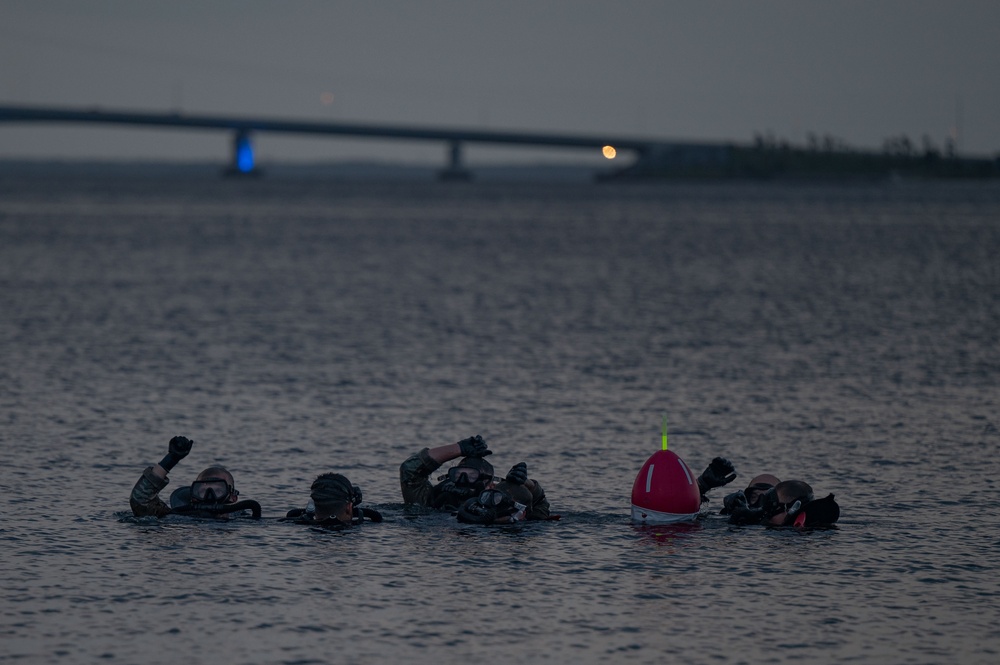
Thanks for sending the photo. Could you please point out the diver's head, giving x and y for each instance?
(334, 496)
(758, 487)
(472, 472)
(519, 493)
(491, 505)
(214, 485)
(784, 501)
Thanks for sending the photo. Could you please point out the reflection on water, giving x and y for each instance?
(845, 335)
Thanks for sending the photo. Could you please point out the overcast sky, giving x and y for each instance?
(860, 71)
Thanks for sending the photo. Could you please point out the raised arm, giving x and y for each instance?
(414, 473)
(720, 472)
(145, 499)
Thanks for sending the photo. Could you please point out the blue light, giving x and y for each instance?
(244, 154)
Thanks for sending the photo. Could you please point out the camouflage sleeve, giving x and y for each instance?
(414, 476)
(539, 509)
(145, 498)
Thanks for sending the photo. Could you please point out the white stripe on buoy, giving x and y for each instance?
(685, 467)
(647, 516)
(649, 477)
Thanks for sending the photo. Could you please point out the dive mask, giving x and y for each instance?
(499, 501)
(754, 492)
(214, 490)
(464, 476)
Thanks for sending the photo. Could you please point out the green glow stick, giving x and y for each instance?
(664, 431)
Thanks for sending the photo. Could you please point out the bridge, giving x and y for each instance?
(242, 161)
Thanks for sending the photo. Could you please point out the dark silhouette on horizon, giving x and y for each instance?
(652, 158)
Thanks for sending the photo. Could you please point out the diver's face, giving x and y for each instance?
(754, 495)
(345, 515)
(779, 518)
(468, 477)
(212, 487)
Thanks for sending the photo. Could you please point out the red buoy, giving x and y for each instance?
(665, 491)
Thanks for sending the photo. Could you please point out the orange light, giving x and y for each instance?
(609, 152)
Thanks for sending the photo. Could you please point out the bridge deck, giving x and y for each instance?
(255, 124)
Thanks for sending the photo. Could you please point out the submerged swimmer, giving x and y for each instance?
(780, 503)
(334, 503)
(212, 494)
(465, 481)
(513, 499)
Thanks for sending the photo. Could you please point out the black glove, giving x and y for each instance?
(474, 446)
(739, 510)
(732, 502)
(518, 474)
(180, 446)
(720, 472)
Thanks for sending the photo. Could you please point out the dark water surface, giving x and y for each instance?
(844, 335)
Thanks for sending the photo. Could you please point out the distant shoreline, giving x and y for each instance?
(346, 171)
(742, 165)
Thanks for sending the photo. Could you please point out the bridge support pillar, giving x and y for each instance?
(455, 170)
(242, 163)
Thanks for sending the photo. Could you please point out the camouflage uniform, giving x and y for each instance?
(145, 498)
(414, 478)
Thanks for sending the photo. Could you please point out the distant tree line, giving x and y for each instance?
(893, 146)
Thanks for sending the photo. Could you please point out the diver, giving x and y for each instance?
(783, 503)
(492, 506)
(334, 503)
(212, 494)
(467, 480)
(527, 492)
(514, 499)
